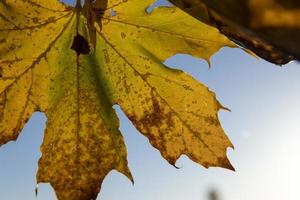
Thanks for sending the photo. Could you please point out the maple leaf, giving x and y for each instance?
(269, 28)
(74, 64)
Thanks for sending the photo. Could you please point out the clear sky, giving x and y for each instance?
(263, 126)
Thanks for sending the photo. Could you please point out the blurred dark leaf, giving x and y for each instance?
(213, 195)
(270, 28)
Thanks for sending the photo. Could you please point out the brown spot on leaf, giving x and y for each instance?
(154, 118)
(212, 121)
(2, 40)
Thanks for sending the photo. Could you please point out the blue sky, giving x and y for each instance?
(263, 126)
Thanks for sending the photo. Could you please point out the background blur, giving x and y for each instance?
(263, 126)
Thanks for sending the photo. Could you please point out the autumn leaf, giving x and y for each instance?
(74, 64)
(270, 28)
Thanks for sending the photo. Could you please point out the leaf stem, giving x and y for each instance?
(78, 5)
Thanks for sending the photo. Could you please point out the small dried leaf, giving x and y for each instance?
(269, 28)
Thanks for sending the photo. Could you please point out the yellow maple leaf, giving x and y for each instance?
(74, 64)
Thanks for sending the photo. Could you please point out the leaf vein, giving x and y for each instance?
(16, 28)
(42, 55)
(162, 31)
